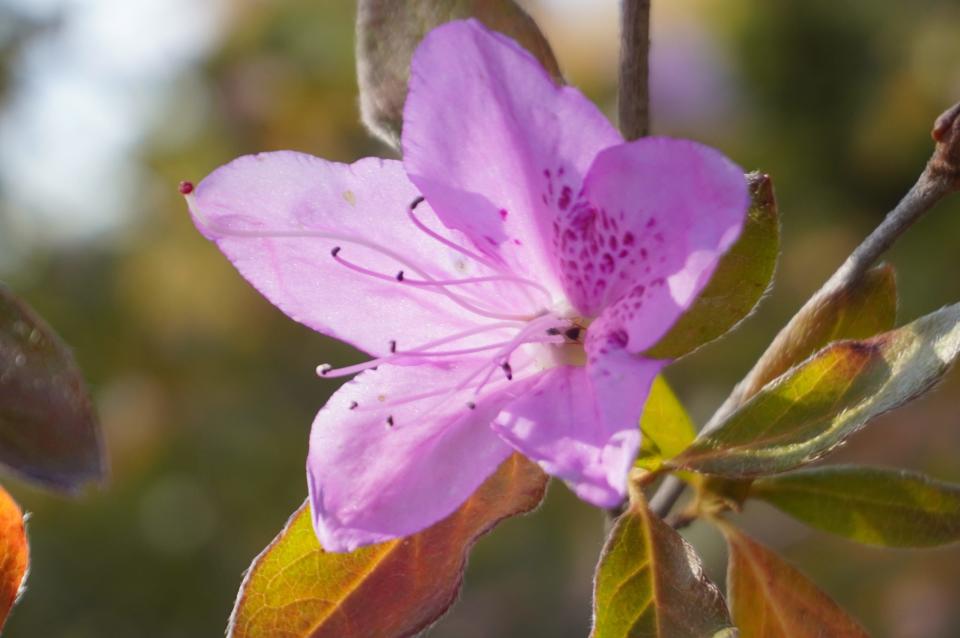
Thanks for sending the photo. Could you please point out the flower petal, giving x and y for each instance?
(495, 146)
(277, 216)
(372, 480)
(581, 424)
(654, 219)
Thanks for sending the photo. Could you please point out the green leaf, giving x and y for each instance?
(808, 411)
(14, 554)
(650, 584)
(771, 599)
(859, 311)
(877, 506)
(48, 430)
(740, 280)
(666, 428)
(388, 32)
(297, 590)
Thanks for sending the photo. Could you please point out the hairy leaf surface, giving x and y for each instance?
(809, 410)
(877, 506)
(858, 312)
(295, 589)
(650, 584)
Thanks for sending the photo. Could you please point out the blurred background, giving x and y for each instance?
(206, 392)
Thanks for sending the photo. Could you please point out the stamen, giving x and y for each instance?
(446, 242)
(393, 346)
(457, 299)
(478, 280)
(354, 405)
(507, 370)
(471, 405)
(390, 421)
(360, 241)
(326, 370)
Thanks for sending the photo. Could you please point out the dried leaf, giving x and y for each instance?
(740, 280)
(295, 589)
(877, 506)
(650, 584)
(771, 599)
(14, 554)
(388, 32)
(811, 409)
(48, 430)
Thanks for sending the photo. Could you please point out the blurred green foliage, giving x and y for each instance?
(207, 392)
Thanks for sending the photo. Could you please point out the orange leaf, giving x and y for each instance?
(771, 599)
(295, 589)
(14, 554)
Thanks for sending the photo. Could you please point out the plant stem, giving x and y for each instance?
(634, 97)
(940, 177)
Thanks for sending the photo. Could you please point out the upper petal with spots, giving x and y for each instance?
(495, 145)
(645, 236)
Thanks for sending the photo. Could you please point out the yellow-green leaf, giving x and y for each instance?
(14, 554)
(388, 32)
(769, 598)
(650, 584)
(295, 589)
(666, 428)
(877, 506)
(738, 283)
(809, 410)
(858, 311)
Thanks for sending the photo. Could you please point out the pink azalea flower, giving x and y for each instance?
(506, 277)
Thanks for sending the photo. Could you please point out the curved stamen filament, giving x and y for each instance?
(325, 370)
(429, 285)
(350, 239)
(446, 242)
(334, 373)
(479, 280)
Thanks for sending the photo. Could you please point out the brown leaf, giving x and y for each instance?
(650, 584)
(771, 599)
(14, 554)
(48, 430)
(295, 589)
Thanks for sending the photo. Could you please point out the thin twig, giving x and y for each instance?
(634, 96)
(633, 99)
(940, 177)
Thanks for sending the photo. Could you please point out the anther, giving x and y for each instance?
(393, 346)
(185, 187)
(324, 369)
(471, 405)
(507, 370)
(335, 251)
(416, 202)
(572, 333)
(354, 405)
(390, 420)
(400, 276)
(553, 331)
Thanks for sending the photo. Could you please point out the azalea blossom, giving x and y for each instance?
(506, 279)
